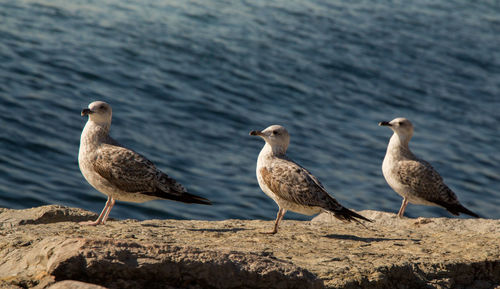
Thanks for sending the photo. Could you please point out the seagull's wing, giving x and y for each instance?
(293, 183)
(426, 183)
(133, 173)
(125, 169)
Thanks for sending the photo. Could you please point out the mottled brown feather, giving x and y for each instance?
(293, 183)
(125, 169)
(425, 182)
(131, 172)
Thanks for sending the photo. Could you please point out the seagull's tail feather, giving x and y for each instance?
(192, 199)
(184, 197)
(457, 208)
(168, 188)
(345, 214)
(342, 213)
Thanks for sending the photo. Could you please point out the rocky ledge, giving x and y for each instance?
(45, 247)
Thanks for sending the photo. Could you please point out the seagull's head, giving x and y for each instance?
(401, 126)
(276, 136)
(99, 112)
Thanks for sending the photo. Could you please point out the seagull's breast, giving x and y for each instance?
(263, 185)
(389, 170)
(86, 157)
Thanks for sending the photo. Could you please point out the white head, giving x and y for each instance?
(276, 136)
(99, 112)
(401, 127)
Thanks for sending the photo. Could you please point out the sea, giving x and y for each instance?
(189, 79)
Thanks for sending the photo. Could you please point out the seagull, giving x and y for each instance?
(291, 186)
(413, 178)
(119, 172)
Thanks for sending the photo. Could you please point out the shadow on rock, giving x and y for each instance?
(366, 240)
(218, 230)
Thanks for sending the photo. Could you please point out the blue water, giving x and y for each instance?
(188, 80)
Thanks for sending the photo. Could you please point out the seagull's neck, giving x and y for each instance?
(94, 133)
(399, 147)
(277, 151)
(268, 152)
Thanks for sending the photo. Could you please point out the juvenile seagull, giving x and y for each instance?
(291, 186)
(412, 178)
(121, 173)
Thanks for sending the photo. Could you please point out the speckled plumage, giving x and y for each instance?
(119, 172)
(295, 188)
(412, 178)
(291, 186)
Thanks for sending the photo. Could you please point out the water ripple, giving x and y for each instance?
(189, 79)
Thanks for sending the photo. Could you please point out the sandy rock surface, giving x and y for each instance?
(44, 247)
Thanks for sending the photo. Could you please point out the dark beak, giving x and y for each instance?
(384, 123)
(86, 111)
(256, 132)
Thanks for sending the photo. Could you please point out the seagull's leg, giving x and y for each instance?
(101, 216)
(279, 216)
(108, 211)
(403, 207)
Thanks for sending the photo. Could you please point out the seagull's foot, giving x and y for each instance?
(90, 223)
(270, 232)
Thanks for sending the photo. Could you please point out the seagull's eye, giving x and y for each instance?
(275, 132)
(401, 123)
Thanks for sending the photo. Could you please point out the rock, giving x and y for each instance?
(7, 285)
(43, 215)
(43, 247)
(71, 284)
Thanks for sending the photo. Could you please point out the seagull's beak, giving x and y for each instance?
(256, 132)
(384, 123)
(86, 111)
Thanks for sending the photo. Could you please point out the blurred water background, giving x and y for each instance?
(188, 80)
